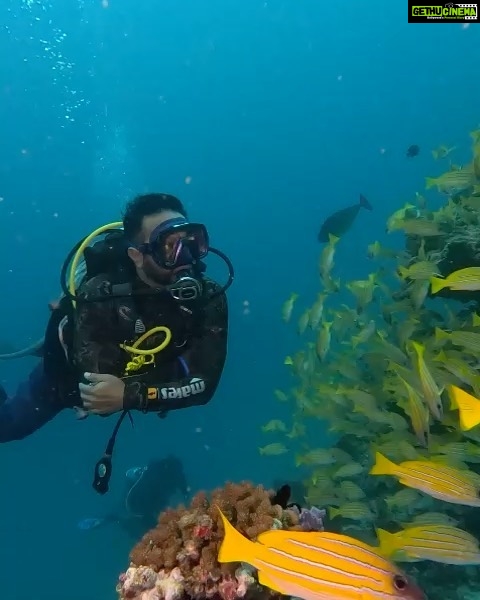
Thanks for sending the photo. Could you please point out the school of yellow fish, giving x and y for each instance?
(391, 366)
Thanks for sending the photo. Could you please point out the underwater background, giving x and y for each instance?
(264, 117)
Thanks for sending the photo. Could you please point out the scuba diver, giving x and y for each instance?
(149, 490)
(139, 326)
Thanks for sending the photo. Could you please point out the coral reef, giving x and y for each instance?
(178, 559)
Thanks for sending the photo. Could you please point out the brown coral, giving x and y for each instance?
(189, 539)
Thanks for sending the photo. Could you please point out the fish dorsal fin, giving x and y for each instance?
(471, 477)
(273, 537)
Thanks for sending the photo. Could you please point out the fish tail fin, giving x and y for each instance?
(419, 349)
(441, 357)
(441, 335)
(234, 547)
(468, 407)
(332, 239)
(364, 203)
(333, 512)
(386, 541)
(430, 182)
(382, 466)
(437, 284)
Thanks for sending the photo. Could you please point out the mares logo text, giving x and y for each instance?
(196, 386)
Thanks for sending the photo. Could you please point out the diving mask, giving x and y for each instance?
(176, 243)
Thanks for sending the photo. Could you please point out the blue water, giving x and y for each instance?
(263, 117)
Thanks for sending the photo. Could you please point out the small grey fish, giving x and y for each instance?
(341, 221)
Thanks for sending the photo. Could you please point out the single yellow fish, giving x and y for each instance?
(463, 279)
(327, 256)
(316, 311)
(364, 334)
(420, 227)
(432, 518)
(323, 340)
(275, 449)
(274, 425)
(442, 152)
(376, 250)
(288, 307)
(281, 396)
(311, 565)
(303, 322)
(452, 182)
(439, 543)
(418, 293)
(418, 413)
(402, 500)
(351, 491)
(320, 456)
(419, 271)
(357, 511)
(430, 389)
(437, 480)
(349, 470)
(468, 340)
(456, 364)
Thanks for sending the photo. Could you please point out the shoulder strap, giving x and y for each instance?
(129, 320)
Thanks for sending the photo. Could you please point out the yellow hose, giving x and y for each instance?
(79, 253)
(145, 357)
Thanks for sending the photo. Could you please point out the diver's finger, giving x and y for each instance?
(90, 400)
(85, 388)
(87, 395)
(97, 411)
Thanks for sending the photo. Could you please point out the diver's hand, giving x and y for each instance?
(103, 395)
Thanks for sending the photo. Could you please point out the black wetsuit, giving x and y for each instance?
(185, 373)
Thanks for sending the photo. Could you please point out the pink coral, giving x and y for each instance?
(170, 586)
(152, 594)
(227, 588)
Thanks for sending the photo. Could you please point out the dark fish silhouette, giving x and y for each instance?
(341, 221)
(413, 150)
(282, 497)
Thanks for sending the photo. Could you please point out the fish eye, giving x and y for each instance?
(400, 582)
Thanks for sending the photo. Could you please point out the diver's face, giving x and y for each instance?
(147, 268)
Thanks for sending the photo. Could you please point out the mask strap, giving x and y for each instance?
(165, 226)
